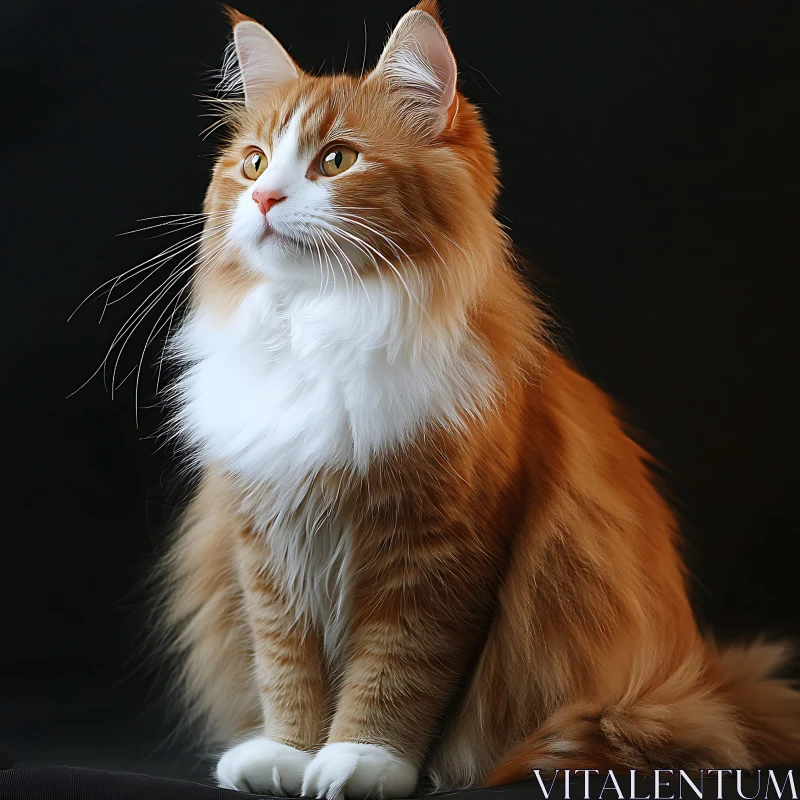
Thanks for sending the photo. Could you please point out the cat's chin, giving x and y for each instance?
(272, 238)
(278, 256)
(281, 257)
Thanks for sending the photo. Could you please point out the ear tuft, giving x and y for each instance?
(263, 64)
(430, 7)
(235, 16)
(417, 62)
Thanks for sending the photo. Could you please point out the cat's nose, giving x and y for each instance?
(267, 198)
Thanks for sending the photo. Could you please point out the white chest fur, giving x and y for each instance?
(294, 383)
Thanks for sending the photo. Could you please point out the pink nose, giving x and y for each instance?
(266, 198)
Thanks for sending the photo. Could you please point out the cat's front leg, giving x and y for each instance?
(289, 674)
(416, 623)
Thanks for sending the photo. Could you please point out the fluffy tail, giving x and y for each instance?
(719, 709)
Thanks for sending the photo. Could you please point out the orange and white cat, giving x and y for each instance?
(423, 551)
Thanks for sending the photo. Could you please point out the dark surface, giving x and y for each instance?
(65, 783)
(652, 175)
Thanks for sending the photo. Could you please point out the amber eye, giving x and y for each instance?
(254, 164)
(338, 160)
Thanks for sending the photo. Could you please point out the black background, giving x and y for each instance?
(652, 179)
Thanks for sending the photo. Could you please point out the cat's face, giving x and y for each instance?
(341, 178)
(324, 174)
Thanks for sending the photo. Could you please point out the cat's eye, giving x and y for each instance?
(254, 164)
(337, 160)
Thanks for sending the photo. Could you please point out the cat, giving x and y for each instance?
(423, 552)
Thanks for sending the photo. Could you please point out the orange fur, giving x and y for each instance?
(519, 598)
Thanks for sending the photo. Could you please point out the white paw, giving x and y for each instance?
(263, 766)
(356, 771)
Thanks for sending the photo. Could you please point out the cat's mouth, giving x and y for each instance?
(270, 234)
(275, 237)
(266, 232)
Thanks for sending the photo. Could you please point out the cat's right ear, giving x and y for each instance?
(263, 64)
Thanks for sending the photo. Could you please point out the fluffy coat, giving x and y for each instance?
(423, 546)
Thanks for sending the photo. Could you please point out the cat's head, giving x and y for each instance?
(386, 175)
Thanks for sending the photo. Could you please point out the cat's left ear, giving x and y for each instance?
(264, 65)
(417, 61)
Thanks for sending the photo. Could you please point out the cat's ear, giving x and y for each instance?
(263, 64)
(417, 61)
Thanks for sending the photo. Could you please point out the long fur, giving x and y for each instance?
(740, 713)
(420, 529)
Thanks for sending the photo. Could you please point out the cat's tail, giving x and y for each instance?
(721, 708)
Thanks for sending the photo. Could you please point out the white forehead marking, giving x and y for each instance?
(286, 163)
(287, 142)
